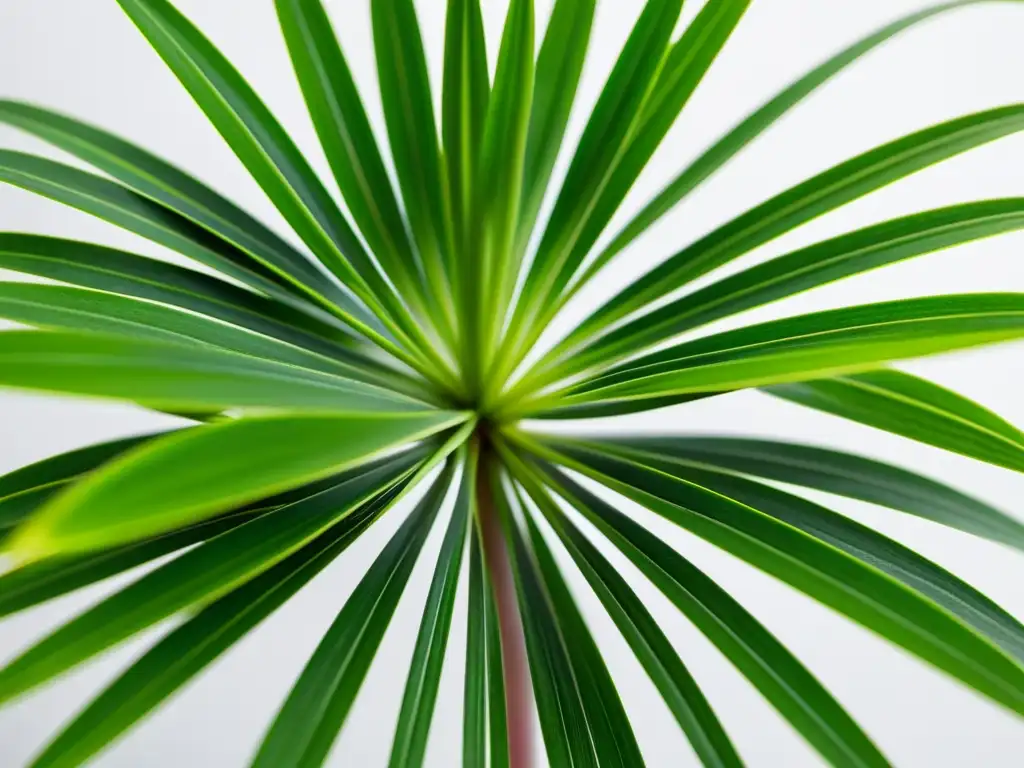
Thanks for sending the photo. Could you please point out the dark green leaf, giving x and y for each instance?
(309, 721)
(859, 591)
(757, 654)
(843, 474)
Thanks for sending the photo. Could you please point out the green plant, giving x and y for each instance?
(325, 389)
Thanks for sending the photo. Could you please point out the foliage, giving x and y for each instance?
(391, 354)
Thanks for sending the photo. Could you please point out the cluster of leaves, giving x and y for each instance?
(324, 384)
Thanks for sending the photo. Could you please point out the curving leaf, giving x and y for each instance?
(910, 406)
(308, 723)
(757, 654)
(199, 576)
(816, 345)
(164, 669)
(192, 475)
(763, 118)
(819, 264)
(24, 490)
(162, 183)
(840, 473)
(857, 590)
(899, 562)
(653, 649)
(814, 197)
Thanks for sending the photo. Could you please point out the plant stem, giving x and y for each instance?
(518, 693)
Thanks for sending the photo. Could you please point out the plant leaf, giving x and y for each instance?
(819, 264)
(465, 94)
(309, 721)
(492, 278)
(723, 150)
(412, 130)
(814, 197)
(199, 576)
(652, 648)
(613, 122)
(816, 345)
(857, 590)
(614, 741)
(485, 729)
(563, 721)
(899, 562)
(750, 647)
(419, 700)
(175, 377)
(345, 134)
(263, 147)
(842, 474)
(192, 475)
(24, 490)
(162, 183)
(907, 405)
(164, 668)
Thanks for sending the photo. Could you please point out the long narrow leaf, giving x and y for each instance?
(197, 473)
(910, 406)
(757, 654)
(860, 591)
(190, 648)
(825, 192)
(726, 148)
(843, 474)
(308, 723)
(198, 577)
(421, 687)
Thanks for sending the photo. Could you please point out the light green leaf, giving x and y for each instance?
(843, 474)
(817, 345)
(199, 576)
(177, 378)
(907, 405)
(24, 490)
(819, 264)
(164, 669)
(192, 475)
(308, 723)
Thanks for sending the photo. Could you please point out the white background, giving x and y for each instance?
(83, 57)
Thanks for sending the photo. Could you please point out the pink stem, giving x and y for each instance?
(518, 693)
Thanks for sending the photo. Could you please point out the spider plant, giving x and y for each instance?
(397, 352)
